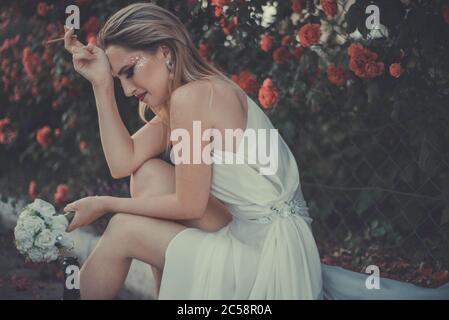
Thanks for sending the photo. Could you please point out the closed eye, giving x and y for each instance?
(130, 72)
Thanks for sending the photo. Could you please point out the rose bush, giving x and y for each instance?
(365, 111)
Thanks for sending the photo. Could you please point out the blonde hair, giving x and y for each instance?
(146, 26)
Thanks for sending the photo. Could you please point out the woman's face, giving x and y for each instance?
(141, 74)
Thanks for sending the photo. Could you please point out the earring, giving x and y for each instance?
(170, 65)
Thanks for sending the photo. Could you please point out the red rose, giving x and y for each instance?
(329, 7)
(32, 189)
(61, 194)
(31, 63)
(247, 81)
(44, 136)
(336, 76)
(7, 134)
(7, 137)
(297, 6)
(358, 51)
(268, 94)
(286, 40)
(395, 70)
(358, 67)
(92, 38)
(220, 3)
(309, 34)
(4, 122)
(218, 11)
(298, 52)
(280, 55)
(363, 62)
(228, 25)
(374, 69)
(266, 42)
(83, 146)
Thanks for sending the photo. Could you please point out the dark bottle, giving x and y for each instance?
(71, 279)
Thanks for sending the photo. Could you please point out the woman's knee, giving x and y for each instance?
(143, 238)
(122, 234)
(119, 227)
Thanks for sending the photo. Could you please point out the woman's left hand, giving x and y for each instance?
(87, 210)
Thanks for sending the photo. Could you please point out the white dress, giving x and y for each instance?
(268, 250)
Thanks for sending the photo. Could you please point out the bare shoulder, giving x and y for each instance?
(192, 93)
(193, 101)
(186, 103)
(197, 96)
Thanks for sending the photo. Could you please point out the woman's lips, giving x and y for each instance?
(142, 96)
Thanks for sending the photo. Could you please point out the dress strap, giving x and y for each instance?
(211, 93)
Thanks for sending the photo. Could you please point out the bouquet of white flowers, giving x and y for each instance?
(40, 234)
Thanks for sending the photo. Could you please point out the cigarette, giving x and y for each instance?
(58, 39)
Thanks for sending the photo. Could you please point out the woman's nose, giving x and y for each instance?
(128, 88)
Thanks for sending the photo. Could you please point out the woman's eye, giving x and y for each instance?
(130, 72)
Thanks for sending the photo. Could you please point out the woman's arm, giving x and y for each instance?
(190, 199)
(124, 154)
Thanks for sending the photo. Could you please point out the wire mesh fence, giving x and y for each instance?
(378, 181)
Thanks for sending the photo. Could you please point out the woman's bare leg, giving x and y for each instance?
(131, 236)
(126, 237)
(156, 177)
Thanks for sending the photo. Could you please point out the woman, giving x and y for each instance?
(210, 229)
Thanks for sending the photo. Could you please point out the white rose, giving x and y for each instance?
(59, 223)
(27, 212)
(51, 254)
(45, 239)
(24, 239)
(33, 224)
(44, 208)
(21, 233)
(35, 254)
(23, 246)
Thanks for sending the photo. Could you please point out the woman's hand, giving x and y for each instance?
(87, 210)
(89, 61)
